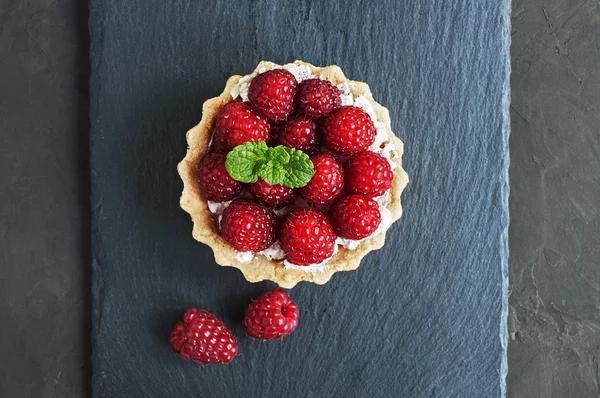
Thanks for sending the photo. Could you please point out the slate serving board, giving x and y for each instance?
(423, 317)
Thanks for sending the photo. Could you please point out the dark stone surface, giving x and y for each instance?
(555, 200)
(44, 199)
(420, 318)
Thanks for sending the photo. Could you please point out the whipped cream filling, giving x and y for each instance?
(312, 268)
(381, 145)
(275, 252)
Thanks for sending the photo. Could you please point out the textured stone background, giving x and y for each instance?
(555, 197)
(45, 299)
(554, 236)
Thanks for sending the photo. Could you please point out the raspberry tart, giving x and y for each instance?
(292, 174)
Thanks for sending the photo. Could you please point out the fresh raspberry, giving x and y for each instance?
(271, 316)
(215, 182)
(327, 182)
(348, 130)
(355, 217)
(248, 226)
(368, 173)
(299, 132)
(307, 237)
(272, 94)
(318, 97)
(271, 195)
(237, 123)
(201, 337)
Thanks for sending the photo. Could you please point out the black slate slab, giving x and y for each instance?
(425, 316)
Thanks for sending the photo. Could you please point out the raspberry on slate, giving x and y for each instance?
(327, 183)
(271, 316)
(307, 237)
(237, 123)
(272, 94)
(355, 217)
(201, 337)
(215, 182)
(248, 226)
(271, 195)
(318, 97)
(368, 173)
(348, 130)
(299, 133)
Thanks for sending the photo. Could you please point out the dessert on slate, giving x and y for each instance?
(292, 174)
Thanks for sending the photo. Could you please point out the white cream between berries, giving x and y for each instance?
(381, 146)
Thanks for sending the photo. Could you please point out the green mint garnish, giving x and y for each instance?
(278, 165)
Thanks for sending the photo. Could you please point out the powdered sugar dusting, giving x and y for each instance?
(244, 257)
(300, 72)
(363, 103)
(241, 88)
(347, 97)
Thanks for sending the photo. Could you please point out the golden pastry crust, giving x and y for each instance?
(261, 268)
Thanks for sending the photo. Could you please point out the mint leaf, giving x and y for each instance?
(299, 169)
(272, 173)
(244, 161)
(279, 154)
(278, 165)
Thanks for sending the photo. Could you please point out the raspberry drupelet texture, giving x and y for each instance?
(215, 182)
(348, 130)
(307, 237)
(237, 123)
(355, 217)
(318, 97)
(368, 173)
(248, 226)
(299, 132)
(271, 316)
(274, 196)
(327, 183)
(202, 338)
(272, 93)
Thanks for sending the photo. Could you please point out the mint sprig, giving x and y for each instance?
(278, 165)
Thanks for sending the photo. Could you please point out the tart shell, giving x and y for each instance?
(205, 228)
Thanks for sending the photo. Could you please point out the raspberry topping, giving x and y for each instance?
(368, 173)
(271, 316)
(271, 195)
(297, 120)
(348, 130)
(299, 133)
(355, 217)
(327, 183)
(215, 182)
(272, 94)
(248, 226)
(307, 237)
(201, 337)
(237, 123)
(318, 97)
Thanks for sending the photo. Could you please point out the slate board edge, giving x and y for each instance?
(506, 31)
(94, 28)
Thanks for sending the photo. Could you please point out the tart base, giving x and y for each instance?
(205, 228)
